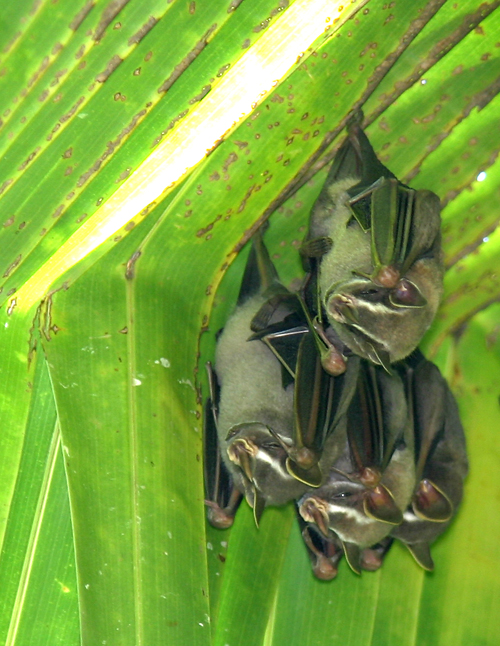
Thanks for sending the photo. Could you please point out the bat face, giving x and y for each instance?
(384, 311)
(259, 461)
(380, 281)
(346, 509)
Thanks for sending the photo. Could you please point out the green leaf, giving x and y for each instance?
(102, 496)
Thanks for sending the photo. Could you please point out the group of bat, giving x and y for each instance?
(321, 396)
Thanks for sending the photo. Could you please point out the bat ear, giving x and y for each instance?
(421, 552)
(379, 505)
(430, 503)
(353, 556)
(406, 294)
(259, 503)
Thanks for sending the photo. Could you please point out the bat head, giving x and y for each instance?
(361, 510)
(381, 311)
(260, 459)
(340, 508)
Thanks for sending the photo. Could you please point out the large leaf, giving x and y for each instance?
(87, 91)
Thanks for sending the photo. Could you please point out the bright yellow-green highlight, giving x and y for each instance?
(238, 92)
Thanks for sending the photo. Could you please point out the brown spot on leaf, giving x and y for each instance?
(113, 63)
(223, 70)
(11, 267)
(81, 15)
(65, 117)
(11, 42)
(123, 175)
(110, 148)
(145, 29)
(30, 158)
(233, 5)
(130, 269)
(109, 14)
(58, 211)
(198, 97)
(187, 60)
(43, 66)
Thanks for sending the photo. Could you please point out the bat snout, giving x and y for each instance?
(313, 510)
(342, 308)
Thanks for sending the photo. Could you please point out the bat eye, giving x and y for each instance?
(342, 495)
(406, 294)
(372, 294)
(271, 446)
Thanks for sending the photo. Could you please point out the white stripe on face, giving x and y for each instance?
(274, 464)
(349, 512)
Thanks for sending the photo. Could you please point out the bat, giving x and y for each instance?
(440, 461)
(371, 483)
(261, 441)
(375, 247)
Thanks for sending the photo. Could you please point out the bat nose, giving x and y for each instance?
(313, 510)
(242, 453)
(343, 309)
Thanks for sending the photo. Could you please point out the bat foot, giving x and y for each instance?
(333, 362)
(324, 554)
(387, 276)
(324, 569)
(332, 359)
(342, 309)
(370, 560)
(218, 517)
(373, 557)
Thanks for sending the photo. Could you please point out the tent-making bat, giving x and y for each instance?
(370, 485)
(440, 460)
(260, 441)
(376, 247)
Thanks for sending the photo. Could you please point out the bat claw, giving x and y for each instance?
(218, 517)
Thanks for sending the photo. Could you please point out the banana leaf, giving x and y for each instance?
(141, 144)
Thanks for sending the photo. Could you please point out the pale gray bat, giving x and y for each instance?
(265, 438)
(376, 247)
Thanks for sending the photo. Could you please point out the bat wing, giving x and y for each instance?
(372, 442)
(221, 497)
(313, 410)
